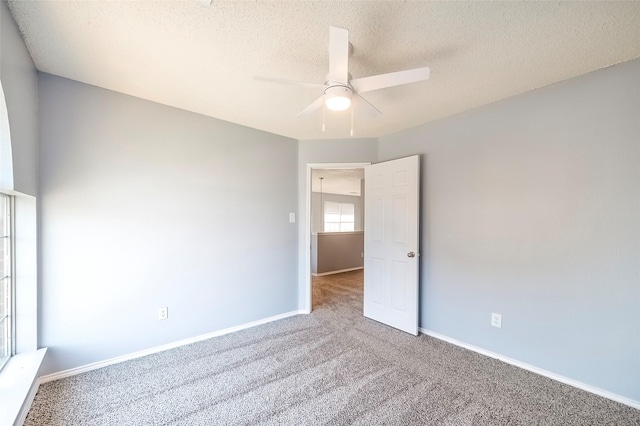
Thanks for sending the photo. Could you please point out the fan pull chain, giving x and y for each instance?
(323, 108)
(351, 120)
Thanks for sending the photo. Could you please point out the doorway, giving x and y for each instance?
(309, 224)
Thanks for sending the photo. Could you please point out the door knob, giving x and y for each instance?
(411, 254)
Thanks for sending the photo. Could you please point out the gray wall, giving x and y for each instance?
(531, 209)
(20, 84)
(316, 209)
(145, 206)
(323, 151)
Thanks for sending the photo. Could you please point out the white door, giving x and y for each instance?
(391, 262)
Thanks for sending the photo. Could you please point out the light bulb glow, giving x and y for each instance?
(338, 103)
(338, 98)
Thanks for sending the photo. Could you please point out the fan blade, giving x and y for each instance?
(314, 106)
(360, 103)
(294, 82)
(375, 82)
(338, 55)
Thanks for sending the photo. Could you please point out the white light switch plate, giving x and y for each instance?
(292, 218)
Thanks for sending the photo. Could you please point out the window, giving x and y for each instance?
(339, 217)
(6, 299)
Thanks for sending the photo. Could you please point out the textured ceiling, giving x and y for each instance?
(203, 58)
(337, 181)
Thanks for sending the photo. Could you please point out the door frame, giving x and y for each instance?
(308, 302)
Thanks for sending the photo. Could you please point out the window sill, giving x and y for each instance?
(17, 380)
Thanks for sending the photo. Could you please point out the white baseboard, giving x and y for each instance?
(337, 272)
(150, 351)
(571, 382)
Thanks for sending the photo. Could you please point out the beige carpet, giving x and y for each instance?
(332, 367)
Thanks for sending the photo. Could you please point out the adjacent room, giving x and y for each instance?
(337, 216)
(336, 212)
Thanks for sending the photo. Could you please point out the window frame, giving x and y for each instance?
(340, 222)
(8, 275)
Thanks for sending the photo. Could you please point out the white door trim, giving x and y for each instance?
(307, 223)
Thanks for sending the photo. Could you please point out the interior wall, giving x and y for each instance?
(337, 251)
(146, 206)
(348, 150)
(531, 209)
(6, 158)
(20, 85)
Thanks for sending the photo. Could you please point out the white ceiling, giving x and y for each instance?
(203, 58)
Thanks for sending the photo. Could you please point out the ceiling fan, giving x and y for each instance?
(340, 90)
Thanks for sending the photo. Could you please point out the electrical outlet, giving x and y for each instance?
(362, 254)
(163, 313)
(496, 320)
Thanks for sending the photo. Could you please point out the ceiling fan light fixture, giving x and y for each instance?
(338, 98)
